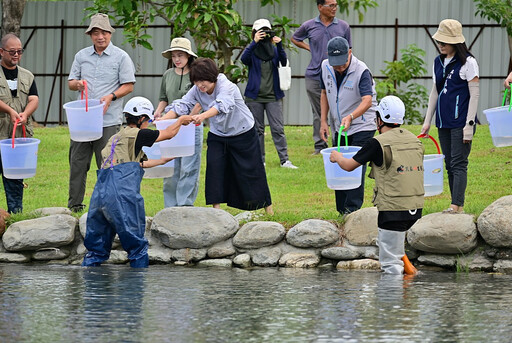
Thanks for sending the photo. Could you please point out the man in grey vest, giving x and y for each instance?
(396, 159)
(110, 75)
(348, 92)
(18, 101)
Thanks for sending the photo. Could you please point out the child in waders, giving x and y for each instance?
(396, 159)
(116, 203)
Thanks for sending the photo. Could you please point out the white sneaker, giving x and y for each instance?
(289, 164)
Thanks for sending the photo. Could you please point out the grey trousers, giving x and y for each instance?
(275, 120)
(313, 90)
(80, 156)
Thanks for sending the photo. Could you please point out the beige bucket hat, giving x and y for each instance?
(181, 44)
(450, 32)
(101, 21)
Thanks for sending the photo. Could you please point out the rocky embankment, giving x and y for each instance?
(212, 237)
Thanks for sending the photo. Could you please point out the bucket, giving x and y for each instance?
(500, 123)
(337, 178)
(19, 156)
(433, 171)
(180, 145)
(85, 126)
(161, 171)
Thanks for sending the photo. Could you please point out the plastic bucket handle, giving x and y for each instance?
(14, 131)
(505, 98)
(339, 137)
(86, 96)
(433, 140)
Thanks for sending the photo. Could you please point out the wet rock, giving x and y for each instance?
(220, 262)
(242, 260)
(188, 255)
(364, 264)
(266, 257)
(14, 257)
(256, 235)
(48, 254)
(118, 257)
(221, 249)
(298, 260)
(159, 255)
(495, 223)
(444, 261)
(444, 233)
(312, 233)
(193, 227)
(46, 232)
(503, 254)
(341, 253)
(503, 266)
(475, 262)
(48, 211)
(361, 227)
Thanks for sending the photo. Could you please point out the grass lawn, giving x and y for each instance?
(296, 194)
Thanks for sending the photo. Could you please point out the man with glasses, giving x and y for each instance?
(319, 31)
(110, 75)
(18, 101)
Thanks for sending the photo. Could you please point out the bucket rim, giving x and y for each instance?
(8, 141)
(66, 105)
(496, 109)
(327, 151)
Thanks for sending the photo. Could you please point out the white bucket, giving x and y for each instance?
(337, 178)
(161, 171)
(19, 162)
(180, 145)
(85, 126)
(500, 125)
(433, 174)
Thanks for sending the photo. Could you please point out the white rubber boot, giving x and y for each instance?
(391, 250)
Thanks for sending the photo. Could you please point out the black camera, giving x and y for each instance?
(269, 33)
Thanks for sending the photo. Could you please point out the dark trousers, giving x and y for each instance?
(352, 200)
(13, 189)
(456, 155)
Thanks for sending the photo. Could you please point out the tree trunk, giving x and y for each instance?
(12, 12)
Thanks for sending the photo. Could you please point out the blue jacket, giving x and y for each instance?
(254, 63)
(453, 100)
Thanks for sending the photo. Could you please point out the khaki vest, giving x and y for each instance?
(399, 181)
(18, 103)
(124, 150)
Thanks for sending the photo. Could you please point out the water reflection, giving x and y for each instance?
(178, 304)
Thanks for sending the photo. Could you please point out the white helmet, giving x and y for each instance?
(138, 106)
(391, 110)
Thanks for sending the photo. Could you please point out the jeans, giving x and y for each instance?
(275, 120)
(80, 156)
(351, 200)
(181, 188)
(13, 192)
(456, 155)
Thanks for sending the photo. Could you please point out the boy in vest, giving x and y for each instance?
(396, 161)
(116, 203)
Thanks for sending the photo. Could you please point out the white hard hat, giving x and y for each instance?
(391, 110)
(139, 106)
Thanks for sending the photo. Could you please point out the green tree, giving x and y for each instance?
(501, 12)
(359, 6)
(398, 82)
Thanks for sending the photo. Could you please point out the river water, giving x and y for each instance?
(52, 303)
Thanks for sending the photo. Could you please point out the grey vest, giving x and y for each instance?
(399, 181)
(124, 150)
(18, 103)
(344, 101)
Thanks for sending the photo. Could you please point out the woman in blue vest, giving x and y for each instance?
(454, 101)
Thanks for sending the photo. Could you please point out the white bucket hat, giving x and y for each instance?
(261, 23)
(101, 21)
(180, 44)
(450, 32)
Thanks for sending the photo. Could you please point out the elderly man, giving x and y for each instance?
(18, 101)
(318, 31)
(110, 75)
(348, 92)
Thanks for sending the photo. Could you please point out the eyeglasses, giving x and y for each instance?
(14, 52)
(331, 6)
(440, 43)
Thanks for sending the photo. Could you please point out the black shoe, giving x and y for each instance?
(77, 208)
(316, 152)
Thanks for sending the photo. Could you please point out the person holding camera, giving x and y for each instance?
(263, 93)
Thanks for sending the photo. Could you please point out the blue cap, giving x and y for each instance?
(337, 51)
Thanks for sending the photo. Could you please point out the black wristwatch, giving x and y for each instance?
(114, 96)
